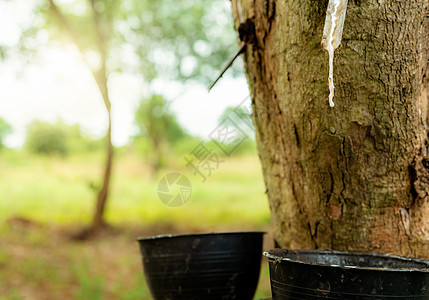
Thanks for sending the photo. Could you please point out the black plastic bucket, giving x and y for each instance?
(202, 266)
(312, 274)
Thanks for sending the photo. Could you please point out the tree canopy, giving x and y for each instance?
(191, 39)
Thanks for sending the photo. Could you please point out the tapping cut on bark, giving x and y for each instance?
(354, 178)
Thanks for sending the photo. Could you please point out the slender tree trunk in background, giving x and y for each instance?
(101, 79)
(98, 217)
(353, 177)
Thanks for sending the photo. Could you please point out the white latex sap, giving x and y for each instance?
(332, 33)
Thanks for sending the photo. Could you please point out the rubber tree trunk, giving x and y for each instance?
(355, 176)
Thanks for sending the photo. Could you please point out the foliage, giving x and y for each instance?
(46, 138)
(152, 38)
(59, 138)
(80, 142)
(81, 22)
(190, 39)
(3, 52)
(157, 123)
(5, 129)
(185, 145)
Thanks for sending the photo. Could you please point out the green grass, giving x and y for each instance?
(44, 200)
(63, 191)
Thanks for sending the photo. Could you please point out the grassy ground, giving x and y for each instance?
(43, 201)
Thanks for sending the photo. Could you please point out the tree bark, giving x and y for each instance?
(353, 177)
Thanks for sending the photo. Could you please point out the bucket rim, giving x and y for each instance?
(279, 259)
(178, 235)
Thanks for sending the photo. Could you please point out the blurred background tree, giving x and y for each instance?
(46, 138)
(155, 39)
(159, 126)
(191, 39)
(90, 29)
(3, 51)
(5, 129)
(58, 139)
(165, 48)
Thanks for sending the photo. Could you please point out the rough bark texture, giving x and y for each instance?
(353, 177)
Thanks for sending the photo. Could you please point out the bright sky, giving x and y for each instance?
(59, 85)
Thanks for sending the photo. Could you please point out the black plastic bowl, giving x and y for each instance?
(312, 274)
(202, 266)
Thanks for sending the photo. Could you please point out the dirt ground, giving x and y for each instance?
(43, 262)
